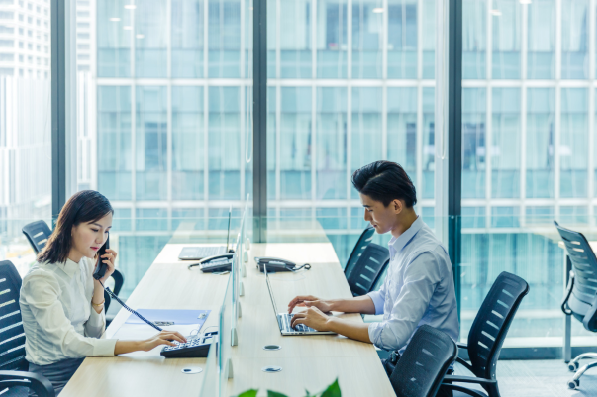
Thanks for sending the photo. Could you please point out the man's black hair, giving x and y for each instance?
(385, 181)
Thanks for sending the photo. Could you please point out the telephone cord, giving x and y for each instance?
(113, 295)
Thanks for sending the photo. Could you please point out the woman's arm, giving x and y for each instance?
(163, 338)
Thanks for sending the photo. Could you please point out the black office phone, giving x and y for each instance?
(198, 347)
(101, 267)
(215, 263)
(278, 264)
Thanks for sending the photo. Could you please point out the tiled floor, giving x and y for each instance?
(538, 378)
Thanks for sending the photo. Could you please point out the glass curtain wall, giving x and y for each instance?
(25, 141)
(166, 88)
(527, 151)
(349, 82)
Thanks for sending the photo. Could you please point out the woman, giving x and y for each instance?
(63, 305)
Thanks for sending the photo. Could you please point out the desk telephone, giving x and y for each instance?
(198, 347)
(278, 264)
(215, 263)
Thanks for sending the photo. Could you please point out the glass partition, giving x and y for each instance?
(209, 388)
(225, 349)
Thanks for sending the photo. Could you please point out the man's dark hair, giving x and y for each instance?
(385, 181)
(83, 207)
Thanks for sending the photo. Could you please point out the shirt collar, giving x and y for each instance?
(398, 244)
(70, 267)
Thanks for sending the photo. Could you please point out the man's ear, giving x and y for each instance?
(397, 205)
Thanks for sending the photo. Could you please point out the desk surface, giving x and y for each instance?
(311, 362)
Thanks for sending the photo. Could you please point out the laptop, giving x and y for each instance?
(197, 253)
(285, 318)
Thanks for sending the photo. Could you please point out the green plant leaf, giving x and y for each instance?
(275, 394)
(333, 390)
(249, 393)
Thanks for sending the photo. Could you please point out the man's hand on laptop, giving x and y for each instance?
(309, 301)
(312, 317)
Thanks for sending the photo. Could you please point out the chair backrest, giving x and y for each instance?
(37, 233)
(362, 243)
(490, 327)
(381, 277)
(364, 273)
(12, 334)
(584, 266)
(422, 367)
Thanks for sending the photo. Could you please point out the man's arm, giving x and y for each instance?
(360, 304)
(315, 318)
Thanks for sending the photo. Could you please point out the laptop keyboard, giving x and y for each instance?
(285, 320)
(210, 251)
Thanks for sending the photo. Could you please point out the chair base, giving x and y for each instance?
(574, 364)
(575, 381)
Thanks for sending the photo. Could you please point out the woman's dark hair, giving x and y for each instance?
(385, 181)
(83, 207)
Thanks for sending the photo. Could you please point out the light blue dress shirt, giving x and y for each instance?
(418, 290)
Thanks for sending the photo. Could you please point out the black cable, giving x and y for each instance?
(113, 295)
(296, 269)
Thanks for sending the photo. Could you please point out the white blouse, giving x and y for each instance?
(58, 318)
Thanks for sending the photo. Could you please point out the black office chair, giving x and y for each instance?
(362, 243)
(38, 234)
(581, 293)
(367, 269)
(487, 334)
(423, 366)
(14, 374)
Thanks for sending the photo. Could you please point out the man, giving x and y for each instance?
(418, 288)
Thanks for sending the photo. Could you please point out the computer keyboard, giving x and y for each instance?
(197, 347)
(286, 320)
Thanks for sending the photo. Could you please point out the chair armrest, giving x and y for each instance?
(459, 360)
(590, 319)
(462, 346)
(470, 392)
(38, 383)
(564, 305)
(469, 379)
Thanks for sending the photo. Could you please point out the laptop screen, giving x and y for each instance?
(271, 292)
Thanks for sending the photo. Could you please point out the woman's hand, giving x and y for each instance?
(108, 258)
(163, 338)
(309, 301)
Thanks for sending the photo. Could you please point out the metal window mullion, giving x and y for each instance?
(591, 163)
(205, 148)
(488, 108)
(419, 142)
(384, 122)
(523, 114)
(243, 106)
(58, 43)
(314, 144)
(455, 138)
(259, 118)
(420, 33)
(384, 41)
(278, 144)
(169, 112)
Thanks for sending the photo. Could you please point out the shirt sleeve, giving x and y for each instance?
(379, 298)
(96, 325)
(40, 291)
(421, 277)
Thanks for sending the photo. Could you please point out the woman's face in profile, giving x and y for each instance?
(89, 237)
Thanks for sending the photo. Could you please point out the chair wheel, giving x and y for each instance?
(573, 366)
(573, 384)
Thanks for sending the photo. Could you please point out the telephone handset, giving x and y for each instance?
(278, 264)
(215, 263)
(101, 267)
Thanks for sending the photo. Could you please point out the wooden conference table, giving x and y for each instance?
(308, 362)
